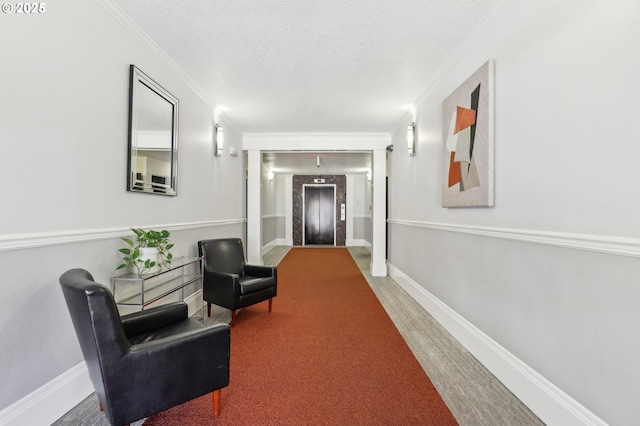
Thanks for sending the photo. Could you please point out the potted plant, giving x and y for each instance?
(150, 250)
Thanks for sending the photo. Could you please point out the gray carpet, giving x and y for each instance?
(473, 394)
(87, 414)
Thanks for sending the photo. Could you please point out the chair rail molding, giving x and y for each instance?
(595, 243)
(46, 239)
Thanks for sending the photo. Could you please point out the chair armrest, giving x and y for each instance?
(224, 277)
(154, 318)
(221, 288)
(260, 270)
(182, 340)
(225, 282)
(197, 358)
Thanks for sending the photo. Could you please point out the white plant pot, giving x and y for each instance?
(150, 253)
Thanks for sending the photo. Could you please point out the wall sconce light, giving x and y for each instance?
(411, 138)
(219, 142)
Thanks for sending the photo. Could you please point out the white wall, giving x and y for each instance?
(367, 224)
(63, 125)
(550, 273)
(358, 210)
(269, 209)
(284, 208)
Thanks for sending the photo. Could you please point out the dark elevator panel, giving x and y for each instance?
(319, 215)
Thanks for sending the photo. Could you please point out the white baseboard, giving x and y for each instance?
(270, 245)
(284, 241)
(275, 243)
(194, 302)
(548, 402)
(51, 401)
(355, 242)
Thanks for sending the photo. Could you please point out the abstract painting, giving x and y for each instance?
(467, 138)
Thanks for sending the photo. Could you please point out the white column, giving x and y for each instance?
(254, 208)
(379, 214)
(350, 207)
(288, 203)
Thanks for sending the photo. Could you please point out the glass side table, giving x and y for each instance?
(133, 292)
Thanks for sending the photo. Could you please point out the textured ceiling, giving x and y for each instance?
(310, 65)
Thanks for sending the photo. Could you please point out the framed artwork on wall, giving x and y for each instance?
(467, 139)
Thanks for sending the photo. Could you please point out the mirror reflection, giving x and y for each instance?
(153, 142)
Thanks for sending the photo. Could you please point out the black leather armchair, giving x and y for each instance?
(230, 282)
(148, 361)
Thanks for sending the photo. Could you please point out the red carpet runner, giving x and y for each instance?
(328, 354)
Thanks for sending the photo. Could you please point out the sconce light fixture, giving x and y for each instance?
(411, 138)
(219, 142)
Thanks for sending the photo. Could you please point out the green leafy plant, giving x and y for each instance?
(152, 239)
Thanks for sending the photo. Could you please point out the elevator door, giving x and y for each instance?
(319, 214)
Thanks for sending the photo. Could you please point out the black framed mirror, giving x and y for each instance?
(153, 136)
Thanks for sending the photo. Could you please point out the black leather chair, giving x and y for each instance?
(230, 282)
(148, 361)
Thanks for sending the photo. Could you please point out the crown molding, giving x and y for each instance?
(149, 43)
(459, 52)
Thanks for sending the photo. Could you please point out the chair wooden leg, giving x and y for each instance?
(233, 318)
(208, 309)
(216, 403)
(270, 303)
